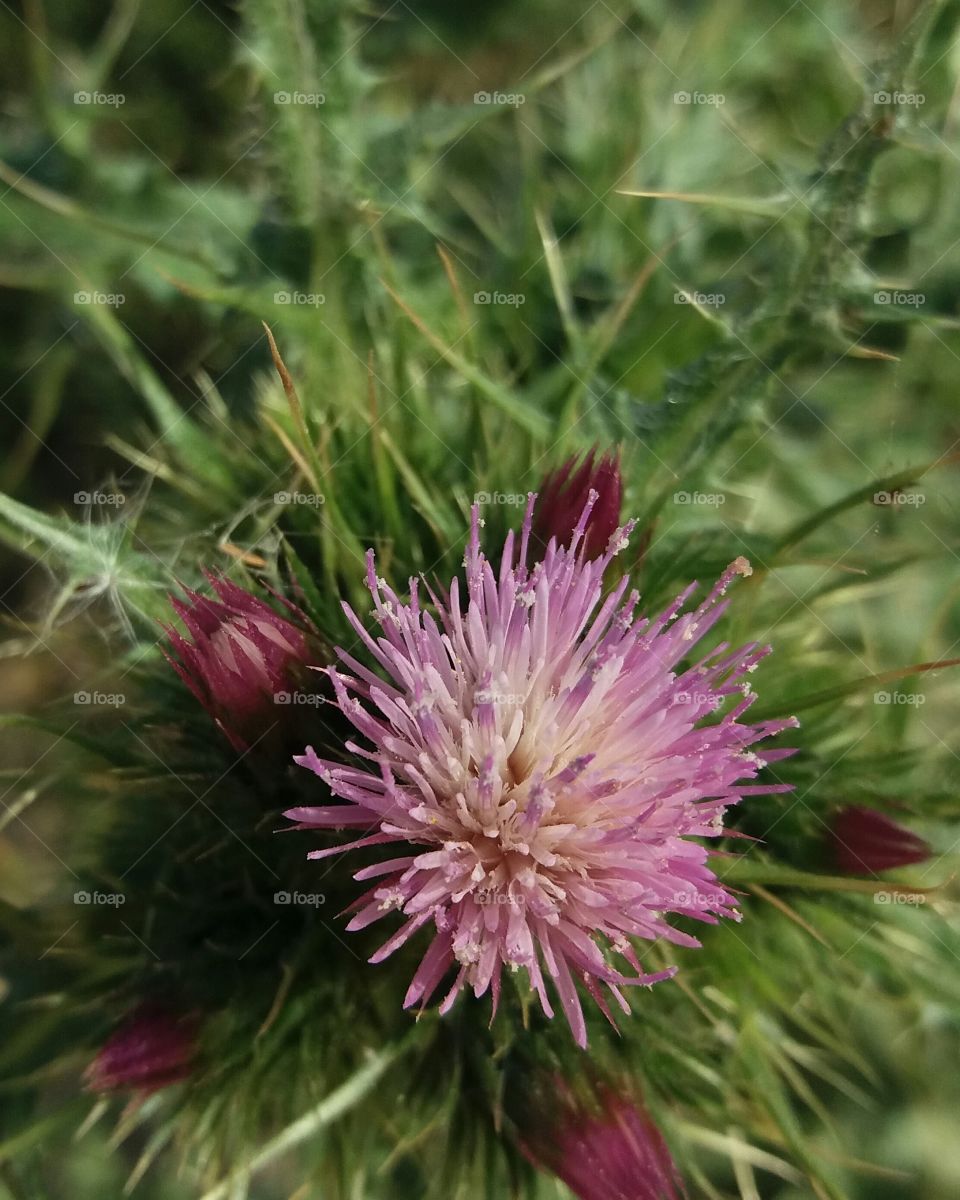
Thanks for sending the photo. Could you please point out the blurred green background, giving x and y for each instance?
(362, 177)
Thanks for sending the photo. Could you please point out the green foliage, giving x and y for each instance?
(601, 218)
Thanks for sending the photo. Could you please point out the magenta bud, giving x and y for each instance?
(241, 659)
(604, 1148)
(153, 1048)
(866, 842)
(564, 493)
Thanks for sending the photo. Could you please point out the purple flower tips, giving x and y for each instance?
(564, 493)
(153, 1048)
(866, 842)
(240, 659)
(608, 1149)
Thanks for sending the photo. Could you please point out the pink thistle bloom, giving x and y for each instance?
(608, 1150)
(240, 657)
(539, 762)
(563, 494)
(152, 1049)
(865, 842)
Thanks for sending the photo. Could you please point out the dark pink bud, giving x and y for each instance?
(564, 493)
(865, 842)
(241, 658)
(605, 1148)
(153, 1048)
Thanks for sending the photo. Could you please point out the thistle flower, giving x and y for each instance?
(539, 763)
(606, 1149)
(242, 660)
(866, 842)
(153, 1048)
(563, 494)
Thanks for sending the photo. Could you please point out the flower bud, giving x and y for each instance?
(866, 842)
(603, 1145)
(241, 657)
(564, 493)
(153, 1048)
